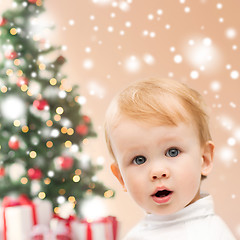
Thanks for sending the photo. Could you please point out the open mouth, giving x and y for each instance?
(163, 193)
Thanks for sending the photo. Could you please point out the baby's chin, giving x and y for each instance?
(164, 210)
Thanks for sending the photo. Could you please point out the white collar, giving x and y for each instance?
(202, 207)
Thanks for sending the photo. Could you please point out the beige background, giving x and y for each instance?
(111, 43)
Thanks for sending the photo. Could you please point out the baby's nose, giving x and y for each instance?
(158, 173)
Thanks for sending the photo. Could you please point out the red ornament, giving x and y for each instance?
(40, 104)
(61, 60)
(11, 55)
(65, 162)
(86, 119)
(34, 173)
(82, 129)
(13, 143)
(2, 171)
(32, 1)
(22, 81)
(3, 21)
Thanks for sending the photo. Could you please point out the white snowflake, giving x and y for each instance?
(132, 64)
(231, 33)
(88, 64)
(234, 74)
(194, 74)
(178, 59)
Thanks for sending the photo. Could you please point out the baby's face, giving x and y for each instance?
(160, 166)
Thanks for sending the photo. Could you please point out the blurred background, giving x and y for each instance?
(109, 44)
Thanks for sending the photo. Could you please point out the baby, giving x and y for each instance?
(157, 133)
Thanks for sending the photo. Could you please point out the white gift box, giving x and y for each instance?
(19, 222)
(44, 212)
(99, 230)
(19, 219)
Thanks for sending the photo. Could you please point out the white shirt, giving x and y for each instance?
(195, 222)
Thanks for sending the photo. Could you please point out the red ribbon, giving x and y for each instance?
(20, 201)
(67, 222)
(109, 219)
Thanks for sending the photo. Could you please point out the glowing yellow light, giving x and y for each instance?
(42, 195)
(76, 98)
(24, 88)
(29, 93)
(64, 130)
(69, 89)
(42, 66)
(56, 210)
(53, 81)
(13, 31)
(9, 72)
(24, 180)
(108, 194)
(16, 123)
(57, 117)
(4, 89)
(76, 178)
(78, 171)
(85, 141)
(19, 73)
(17, 62)
(49, 123)
(63, 80)
(47, 181)
(32, 154)
(92, 185)
(68, 144)
(70, 131)
(72, 199)
(62, 191)
(61, 87)
(39, 3)
(49, 144)
(59, 110)
(25, 129)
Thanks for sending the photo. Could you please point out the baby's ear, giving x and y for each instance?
(117, 174)
(207, 158)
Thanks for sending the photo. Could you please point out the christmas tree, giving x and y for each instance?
(42, 127)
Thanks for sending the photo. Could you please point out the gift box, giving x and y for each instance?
(19, 215)
(102, 229)
(61, 227)
(44, 212)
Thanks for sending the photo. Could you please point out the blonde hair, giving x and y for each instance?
(158, 102)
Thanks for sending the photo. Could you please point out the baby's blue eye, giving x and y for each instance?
(139, 160)
(172, 152)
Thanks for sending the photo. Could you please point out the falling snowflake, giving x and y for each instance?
(215, 86)
(226, 155)
(231, 33)
(148, 59)
(178, 59)
(219, 6)
(71, 22)
(234, 74)
(231, 141)
(88, 64)
(132, 64)
(194, 74)
(200, 52)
